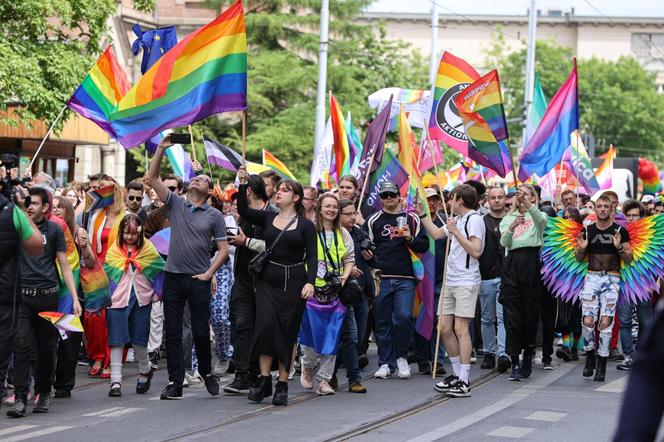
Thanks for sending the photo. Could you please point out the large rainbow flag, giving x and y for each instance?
(445, 125)
(277, 165)
(604, 172)
(204, 74)
(341, 159)
(100, 91)
(424, 264)
(481, 108)
(65, 301)
(549, 142)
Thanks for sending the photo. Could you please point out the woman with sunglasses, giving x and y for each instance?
(283, 286)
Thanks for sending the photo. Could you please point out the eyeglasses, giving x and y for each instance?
(172, 188)
(349, 213)
(134, 198)
(387, 195)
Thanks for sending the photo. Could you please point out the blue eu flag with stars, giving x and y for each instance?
(155, 43)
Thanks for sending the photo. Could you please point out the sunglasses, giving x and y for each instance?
(387, 195)
(172, 188)
(134, 198)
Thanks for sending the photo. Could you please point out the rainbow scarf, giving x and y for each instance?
(96, 227)
(277, 165)
(65, 302)
(147, 261)
(94, 285)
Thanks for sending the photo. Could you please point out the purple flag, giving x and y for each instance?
(374, 142)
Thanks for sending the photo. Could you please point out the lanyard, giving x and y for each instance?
(321, 236)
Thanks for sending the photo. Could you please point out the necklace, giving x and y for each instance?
(286, 217)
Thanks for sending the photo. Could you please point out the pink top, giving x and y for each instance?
(144, 292)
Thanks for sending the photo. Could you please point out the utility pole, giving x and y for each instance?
(433, 61)
(530, 60)
(322, 69)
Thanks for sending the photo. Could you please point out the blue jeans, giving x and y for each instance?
(393, 318)
(352, 333)
(643, 313)
(489, 291)
(501, 329)
(425, 349)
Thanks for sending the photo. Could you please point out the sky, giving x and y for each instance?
(619, 8)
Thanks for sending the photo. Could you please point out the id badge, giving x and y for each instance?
(322, 269)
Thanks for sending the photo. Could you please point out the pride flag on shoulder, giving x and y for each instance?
(549, 142)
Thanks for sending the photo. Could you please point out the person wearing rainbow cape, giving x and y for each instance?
(135, 275)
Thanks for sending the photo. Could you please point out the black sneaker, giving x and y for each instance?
(424, 367)
(153, 356)
(489, 362)
(446, 384)
(516, 373)
(460, 389)
(527, 365)
(564, 354)
(171, 392)
(18, 409)
(42, 404)
(240, 385)
(212, 384)
(62, 393)
(504, 364)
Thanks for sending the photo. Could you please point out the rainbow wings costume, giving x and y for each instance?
(564, 275)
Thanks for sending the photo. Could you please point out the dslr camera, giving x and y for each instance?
(332, 279)
(8, 186)
(367, 245)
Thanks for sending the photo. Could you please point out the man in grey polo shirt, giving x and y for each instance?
(188, 272)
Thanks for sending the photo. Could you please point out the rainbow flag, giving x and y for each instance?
(579, 165)
(445, 125)
(341, 159)
(605, 170)
(100, 198)
(424, 265)
(65, 302)
(100, 91)
(64, 322)
(277, 165)
(481, 108)
(549, 142)
(204, 74)
(389, 169)
(354, 144)
(94, 284)
(147, 261)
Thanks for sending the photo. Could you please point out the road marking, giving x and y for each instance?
(100, 412)
(33, 434)
(546, 416)
(120, 412)
(617, 386)
(509, 400)
(510, 432)
(16, 429)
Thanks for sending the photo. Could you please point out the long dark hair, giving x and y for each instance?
(132, 221)
(297, 190)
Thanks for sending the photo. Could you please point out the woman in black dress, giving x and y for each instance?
(284, 285)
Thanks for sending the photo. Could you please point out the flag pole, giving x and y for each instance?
(435, 169)
(559, 183)
(440, 301)
(244, 137)
(48, 133)
(509, 149)
(193, 145)
(576, 167)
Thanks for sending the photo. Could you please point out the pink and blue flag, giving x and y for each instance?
(549, 142)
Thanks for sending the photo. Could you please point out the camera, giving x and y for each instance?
(367, 245)
(8, 186)
(332, 279)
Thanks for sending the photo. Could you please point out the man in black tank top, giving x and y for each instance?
(605, 244)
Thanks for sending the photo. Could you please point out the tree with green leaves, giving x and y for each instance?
(618, 100)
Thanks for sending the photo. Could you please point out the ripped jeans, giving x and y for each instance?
(599, 297)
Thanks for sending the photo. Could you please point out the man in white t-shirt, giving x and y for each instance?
(462, 286)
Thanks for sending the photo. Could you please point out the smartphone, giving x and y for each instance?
(232, 231)
(181, 138)
(585, 233)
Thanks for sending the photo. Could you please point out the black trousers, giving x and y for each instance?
(31, 329)
(8, 325)
(65, 369)
(643, 403)
(548, 317)
(243, 321)
(178, 289)
(521, 297)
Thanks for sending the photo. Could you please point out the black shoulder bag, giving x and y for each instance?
(258, 262)
(351, 292)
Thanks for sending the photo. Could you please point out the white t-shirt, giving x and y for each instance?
(457, 272)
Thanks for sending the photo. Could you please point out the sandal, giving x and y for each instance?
(93, 372)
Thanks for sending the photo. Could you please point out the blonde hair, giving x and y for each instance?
(118, 195)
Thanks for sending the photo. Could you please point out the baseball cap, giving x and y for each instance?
(388, 186)
(431, 192)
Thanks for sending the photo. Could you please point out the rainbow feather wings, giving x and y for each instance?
(564, 275)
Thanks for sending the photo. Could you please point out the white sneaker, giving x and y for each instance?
(131, 357)
(403, 368)
(193, 379)
(307, 378)
(383, 372)
(220, 368)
